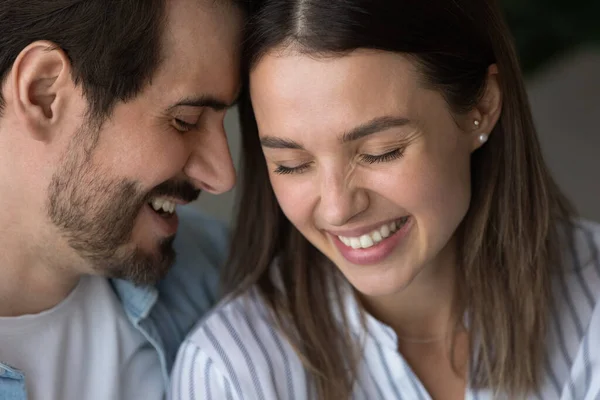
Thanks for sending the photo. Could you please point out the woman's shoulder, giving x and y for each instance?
(581, 257)
(242, 315)
(240, 341)
(237, 315)
(574, 330)
(237, 328)
(577, 288)
(585, 244)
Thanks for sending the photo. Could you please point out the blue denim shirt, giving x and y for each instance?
(163, 314)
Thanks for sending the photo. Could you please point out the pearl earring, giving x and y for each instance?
(476, 122)
(483, 138)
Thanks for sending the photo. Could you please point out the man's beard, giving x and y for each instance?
(97, 214)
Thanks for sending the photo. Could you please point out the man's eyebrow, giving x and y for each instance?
(203, 101)
(279, 143)
(375, 125)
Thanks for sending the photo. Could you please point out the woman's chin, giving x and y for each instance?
(380, 283)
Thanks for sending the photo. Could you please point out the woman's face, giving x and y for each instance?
(371, 167)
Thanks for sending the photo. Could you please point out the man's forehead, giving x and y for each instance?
(206, 20)
(200, 51)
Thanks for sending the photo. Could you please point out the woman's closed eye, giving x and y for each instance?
(381, 158)
(366, 158)
(283, 170)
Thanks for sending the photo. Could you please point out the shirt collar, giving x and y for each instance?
(362, 323)
(137, 301)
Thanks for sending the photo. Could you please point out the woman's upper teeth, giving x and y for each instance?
(374, 237)
(160, 203)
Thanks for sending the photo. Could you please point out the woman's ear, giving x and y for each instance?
(486, 113)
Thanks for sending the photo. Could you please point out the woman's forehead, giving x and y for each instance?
(298, 92)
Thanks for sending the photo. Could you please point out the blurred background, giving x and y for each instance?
(559, 46)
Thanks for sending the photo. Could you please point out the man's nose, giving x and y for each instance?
(210, 166)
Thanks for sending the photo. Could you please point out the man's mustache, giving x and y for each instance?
(181, 190)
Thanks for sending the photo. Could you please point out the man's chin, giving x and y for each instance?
(143, 267)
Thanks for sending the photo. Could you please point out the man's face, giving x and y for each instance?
(114, 193)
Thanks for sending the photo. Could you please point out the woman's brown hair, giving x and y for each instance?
(508, 244)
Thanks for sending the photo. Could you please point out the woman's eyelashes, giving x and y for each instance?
(365, 158)
(281, 170)
(385, 157)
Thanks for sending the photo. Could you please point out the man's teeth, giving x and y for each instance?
(162, 204)
(371, 239)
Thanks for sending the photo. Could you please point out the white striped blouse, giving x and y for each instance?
(235, 353)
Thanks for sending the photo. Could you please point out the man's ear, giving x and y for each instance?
(41, 88)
